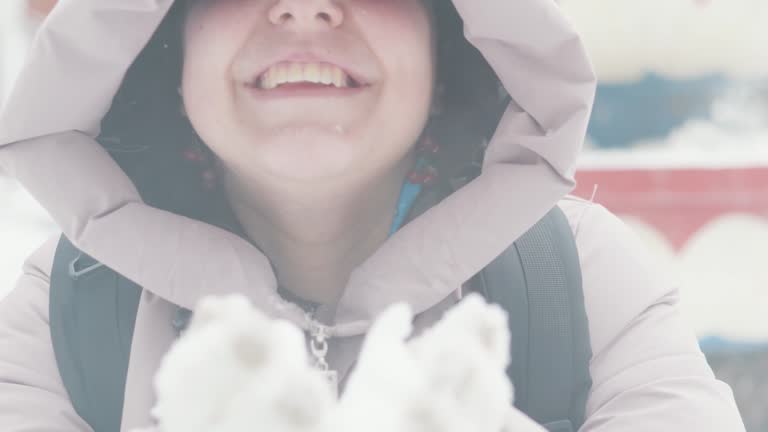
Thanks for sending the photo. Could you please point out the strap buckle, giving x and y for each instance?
(75, 274)
(559, 426)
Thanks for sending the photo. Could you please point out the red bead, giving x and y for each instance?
(428, 145)
(193, 155)
(209, 179)
(426, 176)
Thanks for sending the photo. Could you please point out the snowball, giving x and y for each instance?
(451, 378)
(236, 370)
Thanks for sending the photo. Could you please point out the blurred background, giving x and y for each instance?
(677, 146)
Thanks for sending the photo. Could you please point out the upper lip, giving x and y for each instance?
(361, 74)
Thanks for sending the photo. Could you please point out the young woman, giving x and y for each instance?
(274, 148)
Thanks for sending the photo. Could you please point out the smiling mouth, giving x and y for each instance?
(291, 74)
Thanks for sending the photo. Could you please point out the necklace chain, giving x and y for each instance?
(318, 346)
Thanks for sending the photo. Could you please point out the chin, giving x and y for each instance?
(314, 157)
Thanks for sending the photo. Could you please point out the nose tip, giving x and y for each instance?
(306, 13)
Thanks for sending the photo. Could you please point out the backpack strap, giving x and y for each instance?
(92, 315)
(538, 281)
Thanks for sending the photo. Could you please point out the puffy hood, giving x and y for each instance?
(49, 125)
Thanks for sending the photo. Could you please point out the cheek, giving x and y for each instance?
(406, 21)
(213, 33)
(403, 33)
(400, 34)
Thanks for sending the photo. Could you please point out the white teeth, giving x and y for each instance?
(295, 72)
(338, 78)
(312, 72)
(325, 75)
(268, 80)
(316, 73)
(280, 75)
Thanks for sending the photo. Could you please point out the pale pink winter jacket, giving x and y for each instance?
(648, 371)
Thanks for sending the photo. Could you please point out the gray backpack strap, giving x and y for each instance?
(92, 315)
(538, 281)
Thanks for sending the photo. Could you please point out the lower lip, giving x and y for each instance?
(304, 90)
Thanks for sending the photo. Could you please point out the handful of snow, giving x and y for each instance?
(235, 370)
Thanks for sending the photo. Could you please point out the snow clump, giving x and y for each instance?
(235, 370)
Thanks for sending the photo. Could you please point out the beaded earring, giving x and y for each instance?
(196, 154)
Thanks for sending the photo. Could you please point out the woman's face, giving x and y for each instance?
(308, 90)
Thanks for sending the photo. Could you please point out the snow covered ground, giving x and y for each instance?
(722, 273)
(673, 38)
(721, 268)
(15, 35)
(24, 226)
